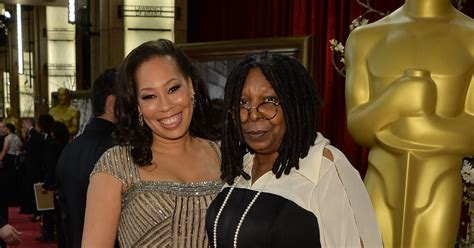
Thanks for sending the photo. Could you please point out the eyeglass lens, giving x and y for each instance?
(265, 110)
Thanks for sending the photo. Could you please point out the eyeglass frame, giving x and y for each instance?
(276, 104)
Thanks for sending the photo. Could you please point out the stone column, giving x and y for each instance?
(181, 22)
(111, 34)
(13, 58)
(40, 87)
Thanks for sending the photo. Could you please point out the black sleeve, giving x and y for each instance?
(51, 156)
(2, 222)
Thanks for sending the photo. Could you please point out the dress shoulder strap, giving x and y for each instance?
(216, 146)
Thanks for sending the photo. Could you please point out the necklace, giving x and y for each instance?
(247, 209)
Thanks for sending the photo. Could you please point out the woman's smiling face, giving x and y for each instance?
(164, 97)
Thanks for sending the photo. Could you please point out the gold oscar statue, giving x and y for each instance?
(66, 113)
(9, 118)
(410, 98)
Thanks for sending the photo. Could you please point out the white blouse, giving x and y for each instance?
(332, 190)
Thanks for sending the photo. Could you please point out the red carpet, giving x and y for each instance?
(30, 230)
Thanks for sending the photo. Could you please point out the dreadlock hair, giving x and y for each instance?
(129, 131)
(300, 103)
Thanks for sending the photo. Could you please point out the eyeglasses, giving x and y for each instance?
(265, 111)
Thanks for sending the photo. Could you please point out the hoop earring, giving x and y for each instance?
(140, 119)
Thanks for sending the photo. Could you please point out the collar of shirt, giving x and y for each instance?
(309, 166)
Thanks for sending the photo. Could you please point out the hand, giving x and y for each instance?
(10, 235)
(413, 96)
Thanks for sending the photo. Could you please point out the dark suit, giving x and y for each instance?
(34, 163)
(2, 222)
(51, 218)
(74, 167)
(3, 186)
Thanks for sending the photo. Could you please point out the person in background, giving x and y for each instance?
(286, 186)
(33, 149)
(3, 186)
(80, 155)
(43, 126)
(155, 186)
(8, 234)
(11, 148)
(59, 137)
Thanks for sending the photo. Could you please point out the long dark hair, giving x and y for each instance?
(300, 103)
(129, 131)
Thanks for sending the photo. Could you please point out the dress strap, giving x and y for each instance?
(216, 146)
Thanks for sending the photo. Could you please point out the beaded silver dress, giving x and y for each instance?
(156, 213)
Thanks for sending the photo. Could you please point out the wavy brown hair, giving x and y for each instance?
(129, 132)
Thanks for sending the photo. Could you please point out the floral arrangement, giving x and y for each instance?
(466, 235)
(337, 48)
(467, 172)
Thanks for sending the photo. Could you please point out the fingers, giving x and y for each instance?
(16, 231)
(13, 239)
(13, 235)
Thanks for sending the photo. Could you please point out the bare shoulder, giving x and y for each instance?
(328, 154)
(213, 150)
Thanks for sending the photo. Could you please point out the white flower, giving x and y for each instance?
(335, 45)
(343, 60)
(339, 48)
(467, 172)
(359, 21)
(471, 178)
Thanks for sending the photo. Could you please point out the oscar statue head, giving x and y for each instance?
(64, 96)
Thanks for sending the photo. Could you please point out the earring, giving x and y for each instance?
(194, 101)
(140, 119)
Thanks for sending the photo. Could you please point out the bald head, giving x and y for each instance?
(64, 96)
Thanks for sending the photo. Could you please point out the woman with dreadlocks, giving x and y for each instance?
(154, 187)
(286, 186)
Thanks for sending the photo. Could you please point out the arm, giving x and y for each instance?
(74, 128)
(102, 211)
(470, 97)
(336, 216)
(357, 91)
(51, 157)
(368, 111)
(346, 215)
(6, 145)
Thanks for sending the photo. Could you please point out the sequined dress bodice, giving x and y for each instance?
(158, 213)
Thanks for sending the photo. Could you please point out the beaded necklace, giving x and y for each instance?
(247, 209)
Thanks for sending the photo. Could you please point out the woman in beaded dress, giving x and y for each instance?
(153, 189)
(286, 186)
